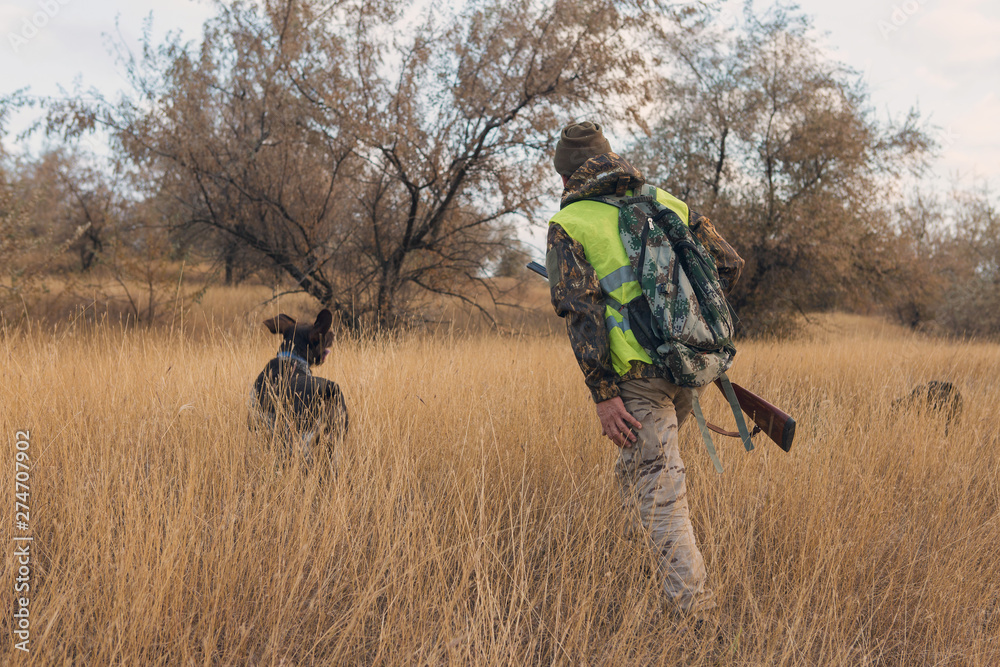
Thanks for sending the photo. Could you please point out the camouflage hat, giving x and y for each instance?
(577, 143)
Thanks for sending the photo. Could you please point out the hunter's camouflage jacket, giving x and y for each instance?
(576, 291)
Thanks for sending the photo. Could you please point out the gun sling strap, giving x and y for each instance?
(703, 426)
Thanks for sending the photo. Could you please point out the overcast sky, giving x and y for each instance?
(943, 57)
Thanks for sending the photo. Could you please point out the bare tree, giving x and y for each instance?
(970, 303)
(914, 275)
(778, 144)
(369, 152)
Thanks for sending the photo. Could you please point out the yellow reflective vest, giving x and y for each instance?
(594, 225)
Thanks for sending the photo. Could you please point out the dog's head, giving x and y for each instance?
(309, 341)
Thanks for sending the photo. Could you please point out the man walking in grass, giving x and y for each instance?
(638, 406)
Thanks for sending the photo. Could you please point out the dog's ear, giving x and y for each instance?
(277, 325)
(324, 320)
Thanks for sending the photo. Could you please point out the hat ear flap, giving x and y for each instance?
(278, 325)
(324, 320)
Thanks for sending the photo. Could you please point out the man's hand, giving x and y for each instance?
(617, 423)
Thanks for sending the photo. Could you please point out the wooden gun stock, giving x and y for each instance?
(774, 422)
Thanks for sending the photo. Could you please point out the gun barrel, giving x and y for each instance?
(539, 269)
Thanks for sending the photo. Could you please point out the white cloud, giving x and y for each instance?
(941, 55)
(935, 78)
(962, 32)
(979, 123)
(10, 18)
(970, 145)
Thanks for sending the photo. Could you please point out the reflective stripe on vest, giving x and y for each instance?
(623, 325)
(611, 322)
(594, 225)
(616, 279)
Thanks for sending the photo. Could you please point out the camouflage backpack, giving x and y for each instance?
(684, 322)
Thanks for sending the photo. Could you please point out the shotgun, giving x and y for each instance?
(775, 423)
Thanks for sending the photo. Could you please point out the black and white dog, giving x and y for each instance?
(287, 400)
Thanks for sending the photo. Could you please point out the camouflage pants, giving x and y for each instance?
(651, 479)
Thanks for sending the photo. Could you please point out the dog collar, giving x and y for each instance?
(294, 357)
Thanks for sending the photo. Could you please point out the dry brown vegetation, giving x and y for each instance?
(474, 517)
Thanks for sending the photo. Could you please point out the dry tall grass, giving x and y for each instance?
(474, 519)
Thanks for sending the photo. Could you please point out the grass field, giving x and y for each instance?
(474, 518)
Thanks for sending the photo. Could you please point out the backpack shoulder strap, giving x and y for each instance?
(645, 194)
